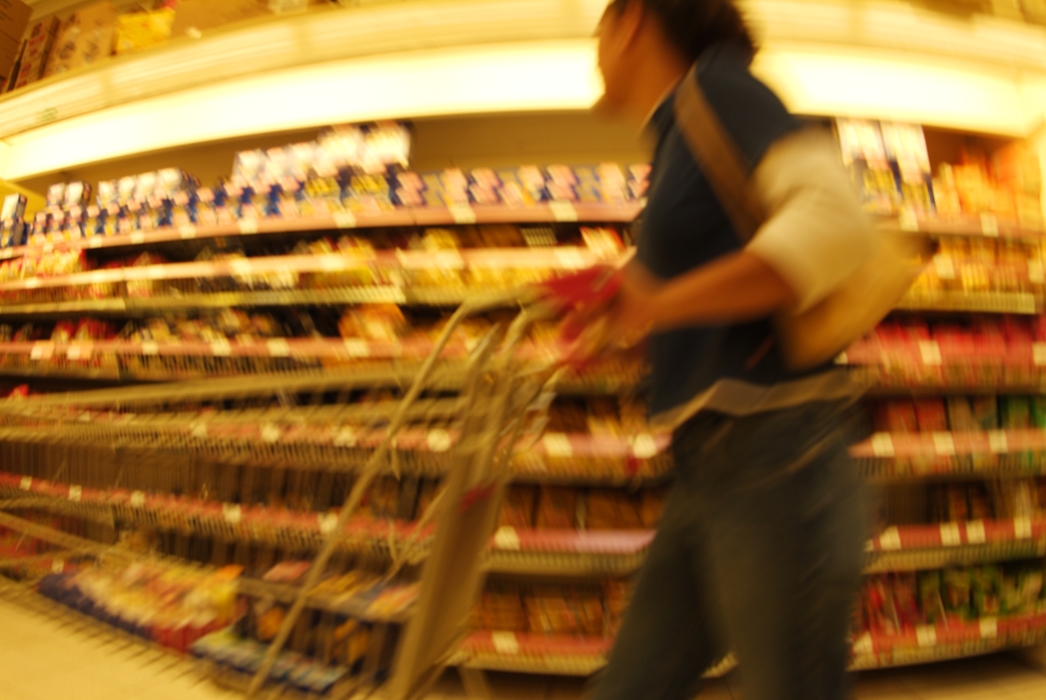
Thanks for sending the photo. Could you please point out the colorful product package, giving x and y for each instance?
(931, 415)
(85, 37)
(39, 43)
(517, 510)
(557, 508)
(986, 411)
(957, 593)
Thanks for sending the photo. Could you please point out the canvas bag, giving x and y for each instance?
(818, 334)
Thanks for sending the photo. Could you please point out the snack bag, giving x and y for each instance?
(557, 509)
(517, 510)
(957, 593)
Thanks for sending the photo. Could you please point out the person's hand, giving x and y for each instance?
(613, 324)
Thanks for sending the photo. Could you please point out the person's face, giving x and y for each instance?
(614, 39)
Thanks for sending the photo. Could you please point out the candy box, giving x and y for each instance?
(560, 182)
(533, 182)
(484, 186)
(613, 184)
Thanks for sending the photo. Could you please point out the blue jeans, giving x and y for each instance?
(760, 550)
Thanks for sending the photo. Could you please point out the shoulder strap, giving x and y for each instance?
(718, 156)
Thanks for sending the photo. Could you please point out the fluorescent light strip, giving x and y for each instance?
(505, 78)
(532, 76)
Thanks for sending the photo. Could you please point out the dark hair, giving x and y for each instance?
(694, 25)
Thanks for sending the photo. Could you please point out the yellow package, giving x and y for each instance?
(138, 31)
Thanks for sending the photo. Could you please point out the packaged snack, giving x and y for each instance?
(931, 601)
(960, 414)
(83, 38)
(931, 415)
(898, 417)
(611, 510)
(985, 410)
(1015, 412)
(986, 586)
(957, 595)
(518, 508)
(557, 508)
(560, 183)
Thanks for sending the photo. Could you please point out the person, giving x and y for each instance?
(760, 548)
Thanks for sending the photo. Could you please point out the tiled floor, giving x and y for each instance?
(42, 658)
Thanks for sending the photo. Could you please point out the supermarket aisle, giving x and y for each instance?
(44, 659)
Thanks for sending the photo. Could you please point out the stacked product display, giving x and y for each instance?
(287, 309)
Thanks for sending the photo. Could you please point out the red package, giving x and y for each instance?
(517, 510)
(931, 415)
(897, 417)
(557, 508)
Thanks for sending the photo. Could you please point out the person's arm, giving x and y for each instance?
(816, 238)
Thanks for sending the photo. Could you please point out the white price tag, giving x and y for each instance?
(930, 352)
(278, 347)
(989, 627)
(48, 248)
(6, 253)
(1024, 303)
(271, 433)
(75, 352)
(505, 643)
(346, 437)
(232, 513)
(94, 242)
(154, 272)
(950, 536)
(1036, 272)
(557, 445)
(507, 538)
(944, 444)
(37, 353)
(137, 238)
(563, 211)
(58, 566)
(908, 220)
(328, 522)
(26, 483)
(138, 499)
(462, 214)
(1022, 528)
(221, 348)
(570, 259)
(890, 540)
(199, 431)
(187, 232)
(150, 347)
(926, 636)
(1038, 354)
(357, 348)
(989, 225)
(438, 440)
(944, 266)
(998, 443)
(75, 493)
(882, 445)
(333, 263)
(644, 446)
(344, 219)
(240, 268)
(248, 226)
(975, 532)
(32, 283)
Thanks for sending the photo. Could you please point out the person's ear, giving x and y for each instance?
(630, 22)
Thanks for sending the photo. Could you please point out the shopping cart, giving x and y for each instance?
(499, 410)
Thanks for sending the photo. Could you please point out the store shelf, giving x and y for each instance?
(568, 552)
(517, 652)
(972, 302)
(360, 607)
(955, 641)
(387, 294)
(559, 212)
(920, 547)
(984, 226)
(948, 444)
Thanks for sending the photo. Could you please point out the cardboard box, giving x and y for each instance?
(14, 18)
(84, 38)
(137, 31)
(39, 42)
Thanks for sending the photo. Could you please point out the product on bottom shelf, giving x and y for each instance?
(172, 605)
(893, 603)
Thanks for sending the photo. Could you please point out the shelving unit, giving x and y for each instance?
(238, 451)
